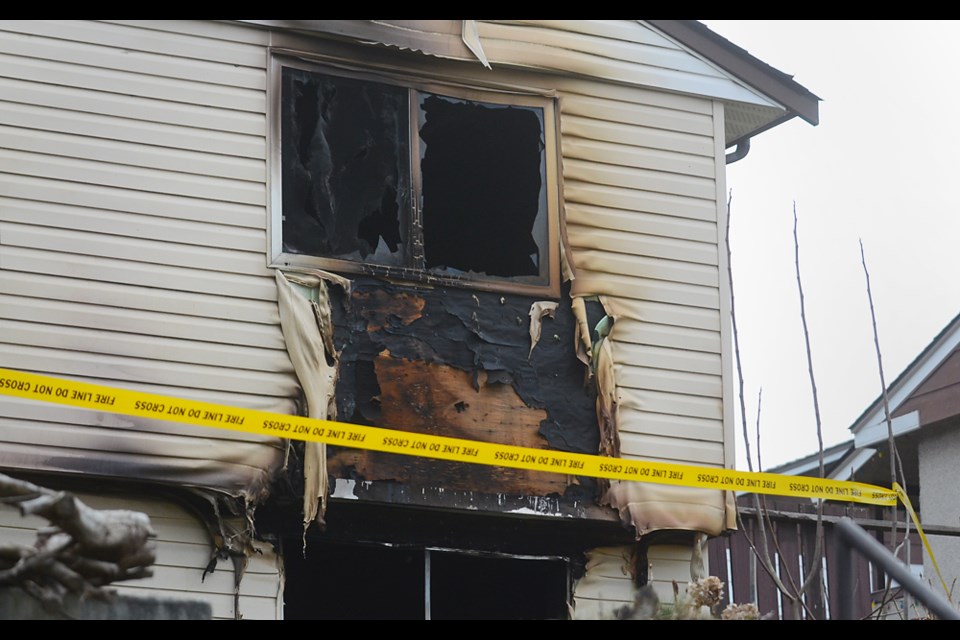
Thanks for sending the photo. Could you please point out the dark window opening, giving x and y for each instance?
(482, 187)
(387, 179)
(345, 167)
(343, 581)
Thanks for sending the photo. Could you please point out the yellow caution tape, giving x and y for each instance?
(913, 515)
(206, 414)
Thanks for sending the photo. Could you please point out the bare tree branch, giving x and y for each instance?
(814, 571)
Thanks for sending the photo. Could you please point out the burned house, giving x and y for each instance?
(503, 231)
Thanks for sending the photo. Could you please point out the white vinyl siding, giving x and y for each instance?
(132, 242)
(183, 551)
(641, 212)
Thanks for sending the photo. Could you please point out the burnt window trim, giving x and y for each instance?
(473, 91)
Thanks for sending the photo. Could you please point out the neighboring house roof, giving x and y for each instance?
(925, 393)
(930, 374)
(809, 465)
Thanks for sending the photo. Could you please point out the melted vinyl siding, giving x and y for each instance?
(641, 210)
(622, 51)
(183, 550)
(132, 244)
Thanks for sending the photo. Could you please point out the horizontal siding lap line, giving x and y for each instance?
(98, 461)
(132, 178)
(634, 135)
(145, 347)
(682, 382)
(625, 97)
(126, 296)
(632, 332)
(131, 225)
(132, 154)
(207, 30)
(668, 359)
(658, 117)
(665, 402)
(97, 268)
(158, 205)
(698, 260)
(262, 401)
(51, 417)
(619, 221)
(657, 313)
(134, 38)
(100, 55)
(645, 266)
(637, 288)
(711, 434)
(177, 377)
(678, 453)
(203, 449)
(127, 83)
(62, 120)
(155, 323)
(251, 608)
(219, 581)
(639, 179)
(140, 250)
(635, 157)
(631, 198)
(133, 109)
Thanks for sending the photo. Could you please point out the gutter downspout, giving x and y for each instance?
(743, 148)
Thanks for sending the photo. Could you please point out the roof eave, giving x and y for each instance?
(796, 98)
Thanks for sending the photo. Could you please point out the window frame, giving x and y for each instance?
(414, 83)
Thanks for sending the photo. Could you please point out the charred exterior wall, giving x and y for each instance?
(458, 363)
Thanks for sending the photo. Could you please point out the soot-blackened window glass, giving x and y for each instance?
(346, 168)
(412, 183)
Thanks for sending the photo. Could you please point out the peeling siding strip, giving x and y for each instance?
(651, 507)
(308, 334)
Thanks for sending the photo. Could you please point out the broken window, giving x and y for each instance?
(414, 181)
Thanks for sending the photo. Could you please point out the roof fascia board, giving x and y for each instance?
(750, 70)
(876, 432)
(850, 465)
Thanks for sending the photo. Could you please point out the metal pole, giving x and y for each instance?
(852, 536)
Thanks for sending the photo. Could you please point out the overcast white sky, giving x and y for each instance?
(882, 166)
